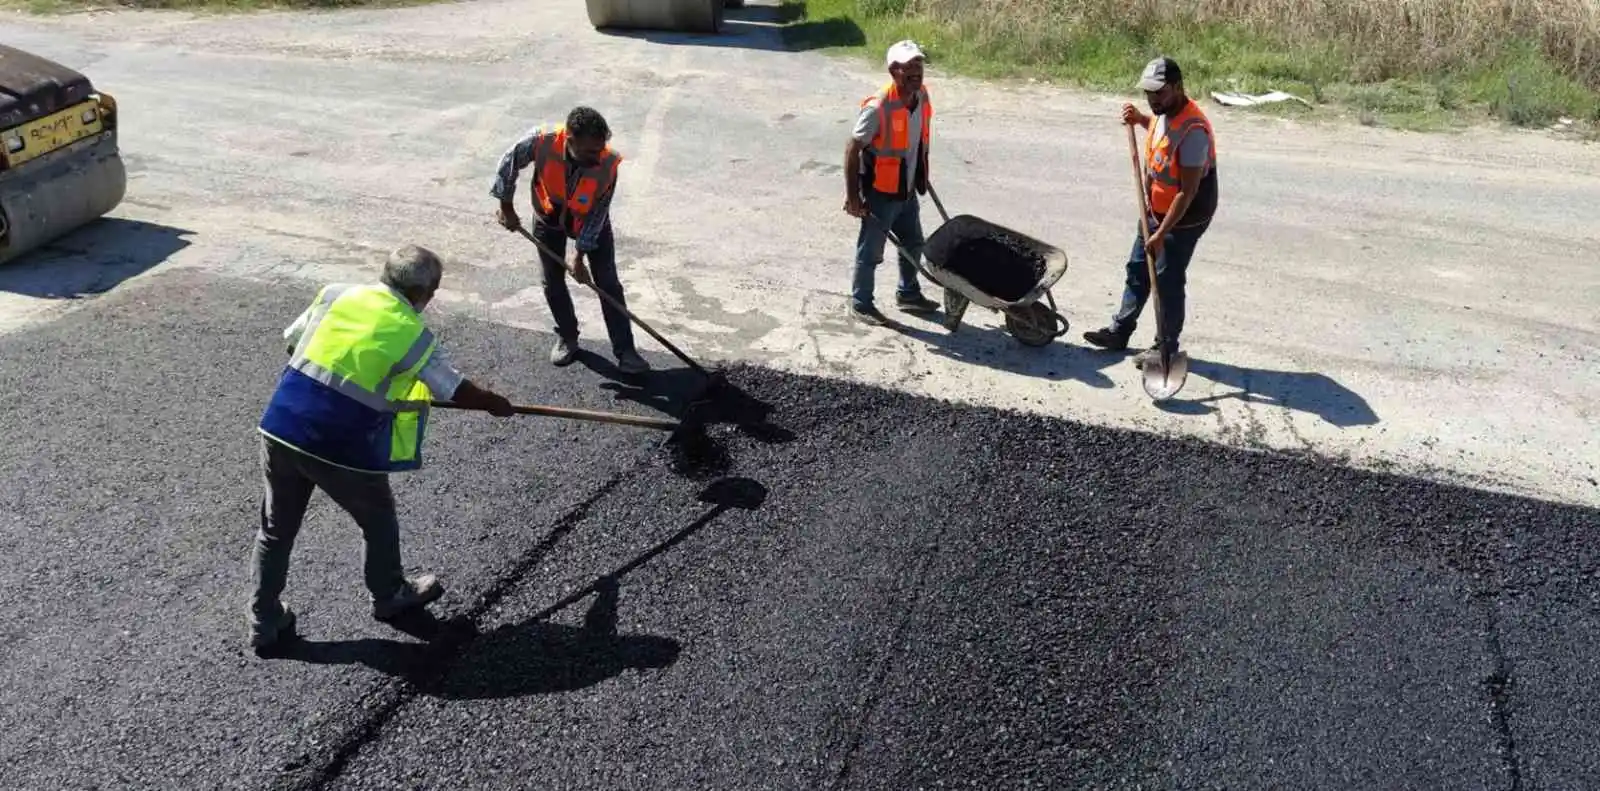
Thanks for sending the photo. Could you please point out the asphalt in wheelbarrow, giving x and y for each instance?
(998, 263)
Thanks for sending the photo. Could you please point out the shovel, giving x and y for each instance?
(1165, 373)
(716, 384)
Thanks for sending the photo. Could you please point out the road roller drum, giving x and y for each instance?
(60, 166)
(681, 16)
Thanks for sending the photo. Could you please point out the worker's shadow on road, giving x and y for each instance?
(529, 658)
(540, 658)
(671, 391)
(1313, 393)
(994, 347)
(92, 259)
(533, 657)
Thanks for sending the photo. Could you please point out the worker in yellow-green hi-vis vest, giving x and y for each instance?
(351, 407)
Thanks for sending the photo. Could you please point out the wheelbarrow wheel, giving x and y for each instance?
(1033, 325)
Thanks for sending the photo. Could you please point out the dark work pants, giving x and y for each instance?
(602, 263)
(289, 478)
(1172, 271)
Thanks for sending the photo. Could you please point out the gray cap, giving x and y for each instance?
(1160, 73)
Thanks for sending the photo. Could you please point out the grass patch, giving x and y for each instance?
(200, 6)
(1416, 64)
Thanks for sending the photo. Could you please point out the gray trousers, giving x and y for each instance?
(289, 478)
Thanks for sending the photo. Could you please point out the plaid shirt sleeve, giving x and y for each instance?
(517, 157)
(590, 238)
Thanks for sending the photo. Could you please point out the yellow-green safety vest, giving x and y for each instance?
(350, 395)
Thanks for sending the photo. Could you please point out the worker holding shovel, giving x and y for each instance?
(1180, 177)
(574, 177)
(349, 409)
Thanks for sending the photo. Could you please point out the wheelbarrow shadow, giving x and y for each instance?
(1313, 393)
(995, 348)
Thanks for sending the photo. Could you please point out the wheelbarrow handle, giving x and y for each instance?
(933, 193)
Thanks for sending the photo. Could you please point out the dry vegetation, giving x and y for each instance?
(1527, 61)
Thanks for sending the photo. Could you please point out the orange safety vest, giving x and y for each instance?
(550, 179)
(885, 159)
(1163, 166)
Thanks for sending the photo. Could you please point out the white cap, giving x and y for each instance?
(1160, 73)
(904, 52)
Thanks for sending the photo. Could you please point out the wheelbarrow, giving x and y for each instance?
(1026, 319)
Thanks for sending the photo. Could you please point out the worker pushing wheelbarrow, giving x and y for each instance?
(979, 262)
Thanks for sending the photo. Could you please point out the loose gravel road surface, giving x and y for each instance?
(947, 562)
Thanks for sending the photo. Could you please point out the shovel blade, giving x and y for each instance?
(1162, 382)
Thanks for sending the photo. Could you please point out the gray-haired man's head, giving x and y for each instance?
(414, 271)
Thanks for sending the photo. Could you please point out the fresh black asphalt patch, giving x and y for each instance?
(880, 591)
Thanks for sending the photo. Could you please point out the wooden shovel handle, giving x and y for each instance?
(1144, 222)
(576, 414)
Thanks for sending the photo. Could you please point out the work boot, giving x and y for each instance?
(271, 632)
(1108, 338)
(629, 362)
(416, 592)
(867, 315)
(1152, 353)
(564, 351)
(916, 303)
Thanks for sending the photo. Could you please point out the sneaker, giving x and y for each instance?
(269, 633)
(1107, 338)
(563, 352)
(629, 362)
(867, 315)
(916, 303)
(416, 592)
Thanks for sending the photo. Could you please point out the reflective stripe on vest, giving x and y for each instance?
(343, 358)
(550, 180)
(350, 395)
(891, 146)
(1165, 183)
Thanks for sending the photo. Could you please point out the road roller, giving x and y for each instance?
(60, 167)
(679, 16)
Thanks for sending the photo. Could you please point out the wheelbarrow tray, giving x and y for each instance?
(957, 275)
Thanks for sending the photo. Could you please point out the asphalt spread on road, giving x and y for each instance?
(868, 590)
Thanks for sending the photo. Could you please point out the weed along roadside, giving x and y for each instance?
(1426, 66)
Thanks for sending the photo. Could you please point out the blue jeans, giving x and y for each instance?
(1172, 269)
(904, 219)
